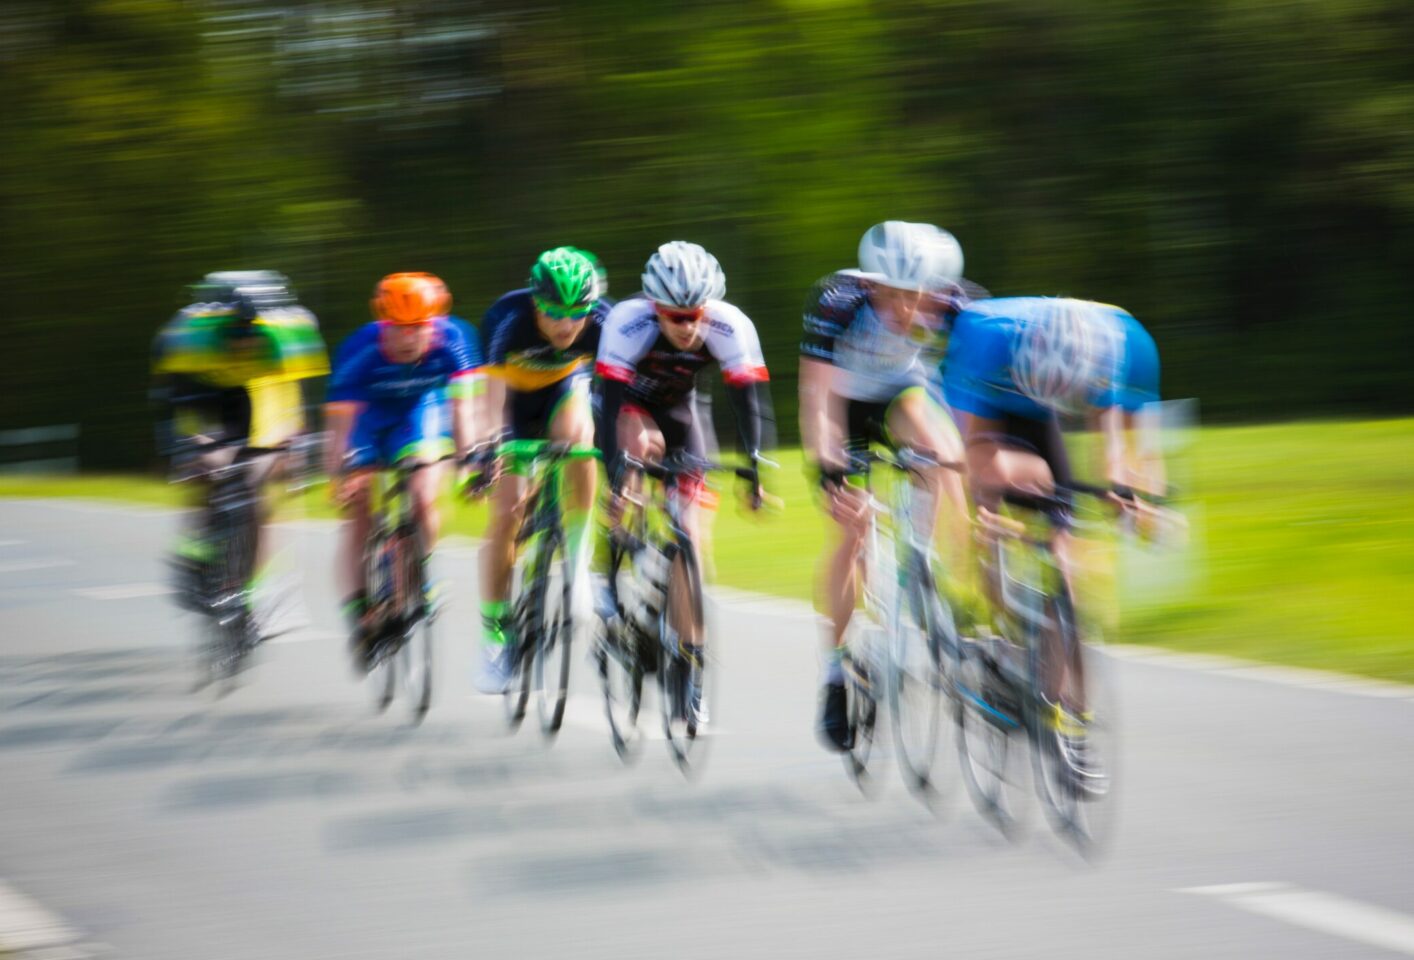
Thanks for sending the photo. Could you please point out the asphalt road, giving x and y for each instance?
(288, 820)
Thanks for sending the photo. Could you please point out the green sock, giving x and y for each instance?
(193, 547)
(493, 614)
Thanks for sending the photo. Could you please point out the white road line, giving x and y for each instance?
(125, 591)
(12, 543)
(20, 566)
(304, 634)
(26, 925)
(1324, 912)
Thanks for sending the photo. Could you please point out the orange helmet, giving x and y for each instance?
(403, 298)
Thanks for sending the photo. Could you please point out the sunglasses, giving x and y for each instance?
(557, 312)
(680, 317)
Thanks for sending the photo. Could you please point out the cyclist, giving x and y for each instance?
(395, 382)
(229, 371)
(1014, 366)
(863, 379)
(542, 340)
(649, 355)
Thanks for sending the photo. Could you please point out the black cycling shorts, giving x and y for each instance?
(532, 411)
(677, 422)
(1041, 437)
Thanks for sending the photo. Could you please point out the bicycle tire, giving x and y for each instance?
(679, 673)
(915, 678)
(991, 744)
(415, 656)
(229, 624)
(380, 571)
(1074, 808)
(861, 687)
(553, 641)
(619, 655)
(524, 614)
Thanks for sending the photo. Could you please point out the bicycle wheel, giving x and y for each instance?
(525, 616)
(415, 658)
(862, 680)
(990, 745)
(1075, 775)
(618, 653)
(553, 636)
(915, 676)
(381, 568)
(230, 627)
(683, 677)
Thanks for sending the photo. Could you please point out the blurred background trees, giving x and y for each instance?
(1237, 173)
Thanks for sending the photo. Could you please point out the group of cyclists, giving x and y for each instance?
(898, 350)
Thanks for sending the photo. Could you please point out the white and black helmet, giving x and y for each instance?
(910, 256)
(1067, 353)
(682, 274)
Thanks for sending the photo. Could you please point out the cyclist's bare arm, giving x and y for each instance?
(339, 417)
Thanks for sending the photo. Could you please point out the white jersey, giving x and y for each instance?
(633, 350)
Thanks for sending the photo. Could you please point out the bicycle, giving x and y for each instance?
(905, 631)
(541, 615)
(1007, 686)
(399, 616)
(657, 599)
(218, 586)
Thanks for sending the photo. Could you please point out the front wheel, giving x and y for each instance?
(619, 655)
(415, 660)
(683, 674)
(1075, 768)
(553, 636)
(915, 682)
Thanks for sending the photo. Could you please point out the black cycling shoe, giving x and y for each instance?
(833, 728)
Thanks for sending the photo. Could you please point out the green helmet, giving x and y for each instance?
(566, 279)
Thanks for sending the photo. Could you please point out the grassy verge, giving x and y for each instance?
(1302, 546)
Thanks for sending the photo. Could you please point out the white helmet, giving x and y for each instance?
(910, 256)
(1066, 353)
(682, 274)
(947, 268)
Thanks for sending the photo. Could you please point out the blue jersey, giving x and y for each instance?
(977, 370)
(363, 373)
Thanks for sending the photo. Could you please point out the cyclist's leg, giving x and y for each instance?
(370, 445)
(679, 432)
(426, 438)
(1009, 451)
(526, 411)
(571, 420)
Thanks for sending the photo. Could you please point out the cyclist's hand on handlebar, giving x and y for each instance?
(480, 470)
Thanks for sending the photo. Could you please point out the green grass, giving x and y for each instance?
(1302, 545)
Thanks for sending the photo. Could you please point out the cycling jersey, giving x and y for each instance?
(363, 373)
(634, 351)
(640, 368)
(977, 373)
(238, 382)
(521, 356)
(873, 362)
(404, 410)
